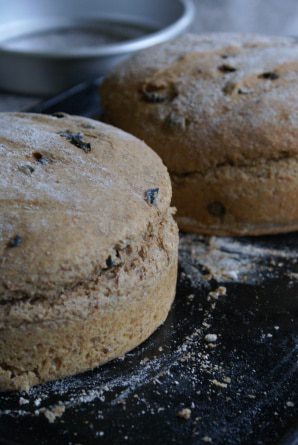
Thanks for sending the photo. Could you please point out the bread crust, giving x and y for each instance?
(222, 112)
(45, 340)
(99, 262)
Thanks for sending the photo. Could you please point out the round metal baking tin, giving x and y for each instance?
(47, 46)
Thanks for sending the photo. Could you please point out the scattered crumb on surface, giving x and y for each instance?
(219, 384)
(227, 379)
(227, 259)
(211, 345)
(293, 275)
(206, 439)
(184, 413)
(220, 291)
(53, 412)
(210, 338)
(206, 325)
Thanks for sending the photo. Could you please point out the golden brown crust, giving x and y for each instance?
(88, 266)
(220, 200)
(76, 206)
(222, 112)
(94, 323)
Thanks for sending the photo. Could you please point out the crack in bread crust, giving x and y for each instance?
(53, 349)
(258, 167)
(128, 251)
(96, 322)
(138, 267)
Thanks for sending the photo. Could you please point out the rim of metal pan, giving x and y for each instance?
(163, 34)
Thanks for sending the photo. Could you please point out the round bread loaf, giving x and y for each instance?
(88, 246)
(222, 112)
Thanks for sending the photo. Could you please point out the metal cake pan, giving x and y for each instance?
(47, 46)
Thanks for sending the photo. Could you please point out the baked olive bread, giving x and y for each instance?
(88, 246)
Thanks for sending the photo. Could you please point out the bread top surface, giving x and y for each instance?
(66, 205)
(208, 100)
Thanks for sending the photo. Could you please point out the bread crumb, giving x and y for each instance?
(23, 401)
(220, 291)
(219, 384)
(210, 338)
(206, 439)
(206, 325)
(52, 413)
(290, 404)
(227, 379)
(184, 413)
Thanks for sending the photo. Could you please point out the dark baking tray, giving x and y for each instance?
(243, 391)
